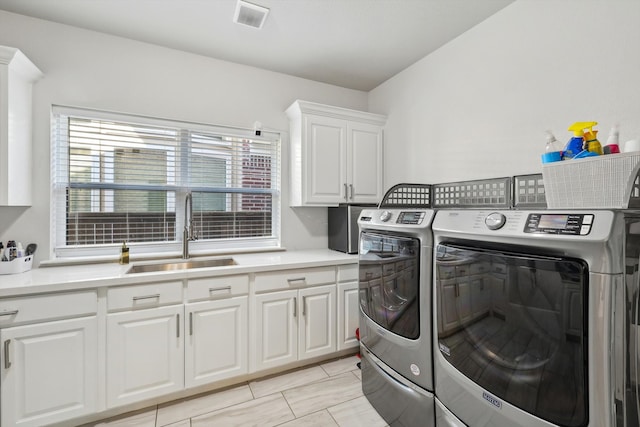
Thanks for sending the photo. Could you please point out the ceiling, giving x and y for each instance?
(356, 44)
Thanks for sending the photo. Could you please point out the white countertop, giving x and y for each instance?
(88, 276)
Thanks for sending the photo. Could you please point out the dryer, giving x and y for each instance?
(536, 318)
(395, 259)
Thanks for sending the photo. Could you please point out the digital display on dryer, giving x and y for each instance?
(410, 218)
(556, 222)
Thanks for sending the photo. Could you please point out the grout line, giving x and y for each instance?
(251, 390)
(295, 417)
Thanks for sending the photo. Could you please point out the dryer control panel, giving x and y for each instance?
(410, 217)
(559, 223)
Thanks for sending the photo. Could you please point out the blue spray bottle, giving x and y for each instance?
(575, 144)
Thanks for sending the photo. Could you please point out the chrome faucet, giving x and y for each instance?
(188, 234)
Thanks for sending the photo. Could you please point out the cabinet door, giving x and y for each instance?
(276, 329)
(448, 301)
(464, 300)
(348, 315)
(325, 160)
(364, 163)
(480, 296)
(145, 354)
(499, 299)
(317, 323)
(49, 372)
(216, 334)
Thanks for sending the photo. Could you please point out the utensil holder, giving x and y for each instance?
(18, 265)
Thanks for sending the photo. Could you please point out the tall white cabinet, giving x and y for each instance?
(336, 155)
(17, 75)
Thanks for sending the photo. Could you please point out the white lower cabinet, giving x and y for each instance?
(159, 338)
(294, 325)
(216, 337)
(276, 329)
(49, 372)
(317, 324)
(348, 315)
(145, 354)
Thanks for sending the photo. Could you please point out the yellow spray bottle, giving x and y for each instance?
(591, 141)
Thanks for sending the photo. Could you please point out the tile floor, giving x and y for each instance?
(324, 394)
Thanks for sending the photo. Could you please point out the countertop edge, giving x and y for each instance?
(94, 276)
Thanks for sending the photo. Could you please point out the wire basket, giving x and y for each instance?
(407, 196)
(606, 182)
(483, 193)
(528, 192)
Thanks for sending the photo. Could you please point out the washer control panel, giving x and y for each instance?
(495, 221)
(558, 223)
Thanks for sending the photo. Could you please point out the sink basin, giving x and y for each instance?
(181, 265)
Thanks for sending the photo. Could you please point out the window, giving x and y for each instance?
(125, 178)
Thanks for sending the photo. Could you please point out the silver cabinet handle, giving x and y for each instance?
(304, 306)
(7, 362)
(9, 313)
(297, 279)
(351, 191)
(146, 297)
(346, 194)
(177, 326)
(295, 306)
(190, 323)
(224, 288)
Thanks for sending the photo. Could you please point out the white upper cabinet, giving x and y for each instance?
(336, 155)
(17, 75)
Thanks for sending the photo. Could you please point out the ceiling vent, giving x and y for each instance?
(250, 14)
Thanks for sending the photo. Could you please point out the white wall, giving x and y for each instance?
(478, 107)
(89, 69)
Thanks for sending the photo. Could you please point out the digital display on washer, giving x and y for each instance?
(410, 218)
(556, 222)
(574, 224)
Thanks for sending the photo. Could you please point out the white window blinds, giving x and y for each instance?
(125, 178)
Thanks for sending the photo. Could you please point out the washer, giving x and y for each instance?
(395, 270)
(536, 318)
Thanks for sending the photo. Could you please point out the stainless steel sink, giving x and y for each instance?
(181, 265)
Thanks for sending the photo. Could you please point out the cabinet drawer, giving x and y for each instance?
(370, 271)
(348, 273)
(499, 268)
(291, 279)
(462, 270)
(46, 307)
(478, 268)
(217, 287)
(143, 296)
(446, 272)
(388, 268)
